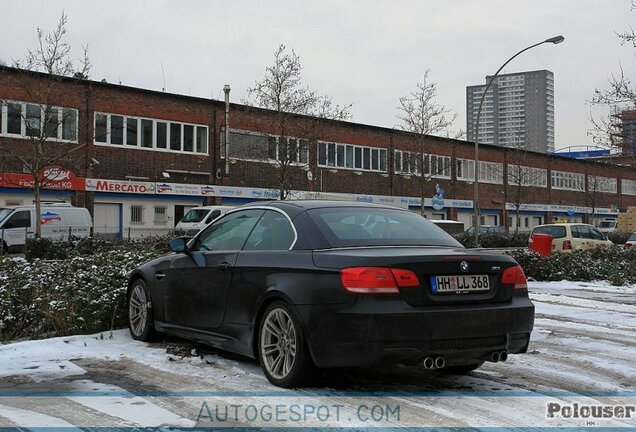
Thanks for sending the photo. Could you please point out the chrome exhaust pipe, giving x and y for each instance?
(428, 363)
(440, 362)
(494, 357)
(503, 356)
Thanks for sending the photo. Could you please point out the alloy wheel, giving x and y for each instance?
(278, 343)
(137, 310)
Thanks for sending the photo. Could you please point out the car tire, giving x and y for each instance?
(282, 348)
(140, 320)
(460, 370)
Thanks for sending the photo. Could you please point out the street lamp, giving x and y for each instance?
(555, 40)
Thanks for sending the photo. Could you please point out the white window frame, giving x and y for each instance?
(156, 220)
(490, 172)
(268, 159)
(4, 113)
(566, 180)
(534, 177)
(465, 169)
(133, 213)
(628, 187)
(379, 152)
(603, 184)
(138, 146)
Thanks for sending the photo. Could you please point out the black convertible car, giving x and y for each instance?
(302, 285)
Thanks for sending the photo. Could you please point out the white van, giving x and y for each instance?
(607, 225)
(57, 220)
(198, 218)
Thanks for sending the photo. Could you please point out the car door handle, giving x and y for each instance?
(223, 266)
(160, 276)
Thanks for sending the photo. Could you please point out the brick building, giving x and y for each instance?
(137, 159)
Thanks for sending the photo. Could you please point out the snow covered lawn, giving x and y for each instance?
(582, 356)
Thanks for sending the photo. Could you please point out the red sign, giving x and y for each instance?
(51, 178)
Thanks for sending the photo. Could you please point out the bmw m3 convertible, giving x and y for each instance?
(302, 285)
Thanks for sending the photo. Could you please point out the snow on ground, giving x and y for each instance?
(582, 352)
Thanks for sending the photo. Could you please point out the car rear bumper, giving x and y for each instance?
(376, 331)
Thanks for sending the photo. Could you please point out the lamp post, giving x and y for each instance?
(555, 40)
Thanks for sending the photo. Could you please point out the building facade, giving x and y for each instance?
(518, 111)
(138, 159)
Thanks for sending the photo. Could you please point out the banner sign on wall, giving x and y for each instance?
(62, 179)
(185, 189)
(52, 178)
(119, 186)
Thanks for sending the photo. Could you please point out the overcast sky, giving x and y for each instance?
(365, 52)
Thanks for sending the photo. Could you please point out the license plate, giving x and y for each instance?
(460, 284)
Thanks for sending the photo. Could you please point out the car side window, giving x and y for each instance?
(273, 232)
(21, 219)
(596, 234)
(576, 232)
(228, 233)
(215, 214)
(585, 232)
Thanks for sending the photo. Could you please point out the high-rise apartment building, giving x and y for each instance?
(518, 111)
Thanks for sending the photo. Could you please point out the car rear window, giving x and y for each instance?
(554, 230)
(369, 226)
(632, 237)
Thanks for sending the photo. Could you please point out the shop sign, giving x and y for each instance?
(51, 178)
(120, 186)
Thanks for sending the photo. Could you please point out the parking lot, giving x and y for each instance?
(581, 356)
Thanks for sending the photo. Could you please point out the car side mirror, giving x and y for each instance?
(179, 244)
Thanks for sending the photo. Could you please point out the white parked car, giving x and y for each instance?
(198, 218)
(58, 221)
(567, 237)
(607, 225)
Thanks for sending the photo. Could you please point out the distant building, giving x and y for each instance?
(628, 129)
(518, 111)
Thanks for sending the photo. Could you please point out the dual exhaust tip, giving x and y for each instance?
(499, 356)
(433, 362)
(439, 362)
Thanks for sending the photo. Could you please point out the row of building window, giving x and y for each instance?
(137, 215)
(351, 156)
(527, 176)
(151, 134)
(602, 184)
(568, 181)
(26, 120)
(22, 119)
(628, 187)
(252, 146)
(489, 172)
(411, 163)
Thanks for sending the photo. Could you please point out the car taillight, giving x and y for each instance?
(377, 280)
(627, 245)
(516, 277)
(567, 245)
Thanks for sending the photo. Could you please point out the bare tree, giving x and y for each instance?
(520, 178)
(45, 121)
(597, 188)
(618, 97)
(420, 114)
(283, 92)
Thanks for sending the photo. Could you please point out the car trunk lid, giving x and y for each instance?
(446, 274)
